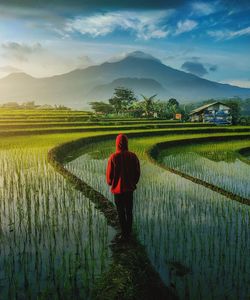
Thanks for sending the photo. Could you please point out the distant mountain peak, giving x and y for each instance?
(136, 70)
(142, 55)
(135, 54)
(18, 75)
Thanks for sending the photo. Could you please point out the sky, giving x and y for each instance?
(210, 39)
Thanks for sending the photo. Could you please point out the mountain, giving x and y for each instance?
(134, 54)
(147, 85)
(137, 70)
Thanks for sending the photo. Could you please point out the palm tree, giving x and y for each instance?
(148, 105)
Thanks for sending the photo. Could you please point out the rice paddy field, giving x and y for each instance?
(56, 241)
(217, 163)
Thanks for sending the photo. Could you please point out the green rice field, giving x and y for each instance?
(217, 163)
(57, 220)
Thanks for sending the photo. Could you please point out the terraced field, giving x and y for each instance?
(58, 224)
(218, 163)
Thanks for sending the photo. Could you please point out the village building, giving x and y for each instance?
(217, 113)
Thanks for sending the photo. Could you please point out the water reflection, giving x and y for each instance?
(232, 175)
(197, 239)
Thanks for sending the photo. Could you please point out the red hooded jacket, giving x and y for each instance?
(123, 170)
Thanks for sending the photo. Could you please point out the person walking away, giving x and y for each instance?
(122, 174)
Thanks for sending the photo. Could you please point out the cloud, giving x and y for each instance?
(21, 51)
(185, 26)
(25, 48)
(202, 8)
(75, 6)
(9, 69)
(235, 5)
(213, 68)
(195, 58)
(96, 4)
(145, 25)
(84, 61)
(195, 68)
(228, 34)
(238, 82)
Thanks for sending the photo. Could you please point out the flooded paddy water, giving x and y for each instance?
(197, 239)
(232, 175)
(53, 241)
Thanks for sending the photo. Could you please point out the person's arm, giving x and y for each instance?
(110, 172)
(137, 170)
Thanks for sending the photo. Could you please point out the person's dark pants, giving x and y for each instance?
(124, 205)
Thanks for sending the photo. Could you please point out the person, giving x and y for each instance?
(122, 174)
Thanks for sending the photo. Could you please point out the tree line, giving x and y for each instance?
(124, 102)
(32, 105)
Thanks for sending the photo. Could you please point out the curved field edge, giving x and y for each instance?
(243, 152)
(131, 275)
(164, 128)
(154, 151)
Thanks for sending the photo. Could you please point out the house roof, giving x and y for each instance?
(201, 108)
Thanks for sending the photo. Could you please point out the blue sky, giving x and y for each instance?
(208, 38)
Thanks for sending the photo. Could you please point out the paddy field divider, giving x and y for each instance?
(130, 263)
(131, 275)
(154, 152)
(166, 129)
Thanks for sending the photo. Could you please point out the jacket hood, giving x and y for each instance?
(121, 142)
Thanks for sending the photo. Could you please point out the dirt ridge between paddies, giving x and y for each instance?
(245, 152)
(154, 152)
(154, 129)
(16, 125)
(131, 275)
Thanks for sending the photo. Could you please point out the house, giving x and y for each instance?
(216, 112)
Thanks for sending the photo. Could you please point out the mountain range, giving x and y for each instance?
(139, 71)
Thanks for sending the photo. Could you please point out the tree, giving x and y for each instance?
(235, 109)
(11, 105)
(148, 105)
(161, 108)
(173, 102)
(245, 107)
(29, 105)
(137, 109)
(184, 110)
(101, 107)
(122, 99)
(173, 106)
(61, 107)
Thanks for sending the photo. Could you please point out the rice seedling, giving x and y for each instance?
(197, 239)
(215, 163)
(54, 243)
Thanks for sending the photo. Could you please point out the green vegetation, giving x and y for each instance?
(217, 163)
(180, 223)
(32, 106)
(55, 230)
(122, 100)
(124, 103)
(52, 246)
